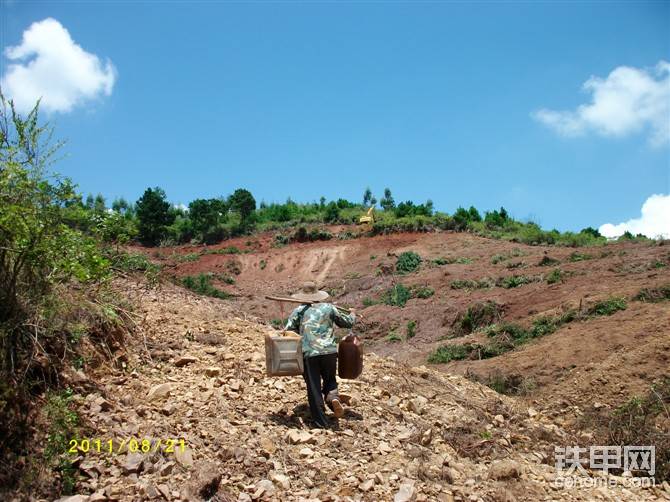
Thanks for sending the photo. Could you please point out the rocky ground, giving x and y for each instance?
(196, 371)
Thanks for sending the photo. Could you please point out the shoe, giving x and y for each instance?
(338, 409)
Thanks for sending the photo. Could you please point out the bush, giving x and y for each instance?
(577, 256)
(408, 262)
(411, 329)
(548, 261)
(397, 296)
(450, 353)
(555, 276)
(653, 294)
(478, 315)
(607, 307)
(422, 292)
(472, 284)
(514, 281)
(202, 284)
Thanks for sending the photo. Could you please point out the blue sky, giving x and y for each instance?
(462, 103)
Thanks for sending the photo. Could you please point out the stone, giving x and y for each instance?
(213, 371)
(184, 360)
(505, 469)
(427, 437)
(306, 452)
(417, 405)
(393, 401)
(74, 498)
(133, 463)
(160, 391)
(406, 493)
(204, 481)
(532, 412)
(281, 480)
(183, 458)
(299, 437)
(367, 485)
(166, 468)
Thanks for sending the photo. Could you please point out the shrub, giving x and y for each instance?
(368, 302)
(555, 276)
(422, 292)
(653, 294)
(478, 315)
(472, 284)
(411, 329)
(202, 284)
(548, 261)
(450, 353)
(408, 262)
(393, 336)
(397, 296)
(262, 264)
(514, 281)
(607, 307)
(577, 256)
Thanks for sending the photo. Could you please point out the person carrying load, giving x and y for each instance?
(315, 324)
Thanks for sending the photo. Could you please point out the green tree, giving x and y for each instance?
(367, 196)
(99, 205)
(243, 203)
(154, 216)
(387, 203)
(206, 216)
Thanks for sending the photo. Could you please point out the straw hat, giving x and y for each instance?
(309, 293)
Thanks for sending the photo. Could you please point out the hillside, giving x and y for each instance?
(618, 354)
(195, 370)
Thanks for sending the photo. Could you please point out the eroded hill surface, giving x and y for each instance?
(595, 359)
(196, 371)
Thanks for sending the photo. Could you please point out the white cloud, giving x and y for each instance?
(629, 100)
(655, 220)
(48, 64)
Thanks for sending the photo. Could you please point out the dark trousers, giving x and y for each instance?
(317, 368)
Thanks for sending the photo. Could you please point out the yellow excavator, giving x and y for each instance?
(369, 218)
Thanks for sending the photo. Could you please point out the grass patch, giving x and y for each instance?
(607, 307)
(393, 337)
(510, 385)
(508, 336)
(472, 284)
(226, 250)
(555, 276)
(477, 316)
(638, 421)
(397, 296)
(185, 258)
(408, 262)
(514, 281)
(63, 426)
(422, 292)
(202, 284)
(577, 256)
(653, 295)
(462, 260)
(548, 261)
(411, 329)
(369, 302)
(262, 264)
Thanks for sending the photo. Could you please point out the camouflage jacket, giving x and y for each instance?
(316, 327)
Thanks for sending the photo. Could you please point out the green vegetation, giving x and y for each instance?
(63, 426)
(226, 250)
(478, 315)
(548, 261)
(607, 307)
(498, 258)
(262, 264)
(408, 262)
(511, 385)
(506, 336)
(448, 261)
(514, 281)
(411, 329)
(393, 336)
(202, 284)
(638, 421)
(484, 283)
(397, 296)
(556, 275)
(654, 295)
(577, 256)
